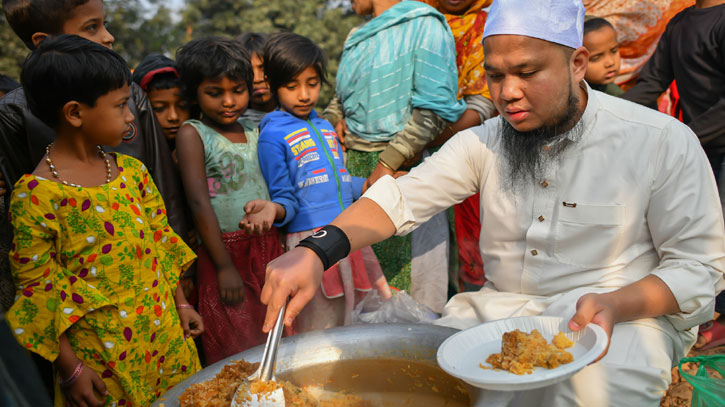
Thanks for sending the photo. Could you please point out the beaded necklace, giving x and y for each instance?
(101, 154)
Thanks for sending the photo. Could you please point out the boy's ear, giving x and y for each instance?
(38, 37)
(72, 113)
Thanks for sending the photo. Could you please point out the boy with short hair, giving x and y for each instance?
(158, 77)
(600, 39)
(262, 101)
(23, 137)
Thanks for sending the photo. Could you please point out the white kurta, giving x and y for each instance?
(634, 196)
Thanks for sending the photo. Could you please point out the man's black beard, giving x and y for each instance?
(524, 159)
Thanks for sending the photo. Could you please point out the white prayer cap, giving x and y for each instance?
(558, 21)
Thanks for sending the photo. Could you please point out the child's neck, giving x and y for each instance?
(264, 107)
(233, 132)
(75, 160)
(74, 145)
(708, 3)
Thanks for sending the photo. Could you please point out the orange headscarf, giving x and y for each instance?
(467, 31)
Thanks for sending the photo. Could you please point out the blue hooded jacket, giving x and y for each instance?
(303, 166)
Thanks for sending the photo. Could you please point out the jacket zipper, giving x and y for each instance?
(332, 163)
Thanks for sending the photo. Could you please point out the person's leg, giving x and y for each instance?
(429, 263)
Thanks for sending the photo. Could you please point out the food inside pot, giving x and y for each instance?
(345, 383)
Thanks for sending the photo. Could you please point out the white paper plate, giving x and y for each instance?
(461, 354)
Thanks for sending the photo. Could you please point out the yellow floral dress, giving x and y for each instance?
(102, 264)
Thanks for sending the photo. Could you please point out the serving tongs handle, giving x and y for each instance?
(269, 356)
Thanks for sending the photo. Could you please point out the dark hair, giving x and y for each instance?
(286, 55)
(7, 83)
(27, 17)
(157, 72)
(595, 23)
(212, 58)
(70, 68)
(253, 42)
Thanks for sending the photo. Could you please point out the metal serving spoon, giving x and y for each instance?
(243, 397)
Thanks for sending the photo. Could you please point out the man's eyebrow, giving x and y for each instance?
(517, 67)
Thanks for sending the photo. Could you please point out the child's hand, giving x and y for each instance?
(231, 286)
(259, 217)
(191, 322)
(83, 391)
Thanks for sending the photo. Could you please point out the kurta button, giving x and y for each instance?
(534, 252)
(544, 184)
(541, 218)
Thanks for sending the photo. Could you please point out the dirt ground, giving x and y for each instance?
(680, 392)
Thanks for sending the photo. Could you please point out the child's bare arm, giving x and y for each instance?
(85, 385)
(191, 321)
(190, 151)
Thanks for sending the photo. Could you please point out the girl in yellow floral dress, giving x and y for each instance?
(95, 262)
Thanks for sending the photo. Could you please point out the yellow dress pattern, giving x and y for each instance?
(102, 264)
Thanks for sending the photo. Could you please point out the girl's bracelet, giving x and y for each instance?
(72, 379)
(184, 306)
(384, 164)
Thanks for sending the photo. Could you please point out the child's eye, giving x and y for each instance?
(92, 28)
(614, 50)
(240, 90)
(594, 59)
(290, 87)
(159, 109)
(123, 105)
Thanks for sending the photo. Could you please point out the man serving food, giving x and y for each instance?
(592, 208)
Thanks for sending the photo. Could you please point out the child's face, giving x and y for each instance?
(107, 122)
(261, 94)
(170, 108)
(88, 21)
(454, 6)
(603, 56)
(299, 96)
(222, 100)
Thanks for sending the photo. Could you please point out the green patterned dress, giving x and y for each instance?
(101, 265)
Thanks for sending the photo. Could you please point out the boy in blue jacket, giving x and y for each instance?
(304, 168)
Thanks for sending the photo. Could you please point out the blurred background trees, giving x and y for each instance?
(145, 26)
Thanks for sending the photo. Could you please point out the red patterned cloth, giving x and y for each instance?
(231, 329)
(468, 231)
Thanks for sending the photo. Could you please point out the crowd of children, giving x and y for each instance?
(218, 156)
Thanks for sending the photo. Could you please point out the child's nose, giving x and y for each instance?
(173, 116)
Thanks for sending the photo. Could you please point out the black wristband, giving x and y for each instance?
(330, 244)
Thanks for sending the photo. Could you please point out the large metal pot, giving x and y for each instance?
(328, 357)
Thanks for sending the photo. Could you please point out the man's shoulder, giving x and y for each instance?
(633, 114)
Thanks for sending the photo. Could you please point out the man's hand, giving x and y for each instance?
(231, 286)
(83, 392)
(191, 322)
(259, 217)
(295, 275)
(341, 129)
(598, 309)
(379, 172)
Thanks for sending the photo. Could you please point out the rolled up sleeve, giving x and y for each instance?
(686, 224)
(413, 199)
